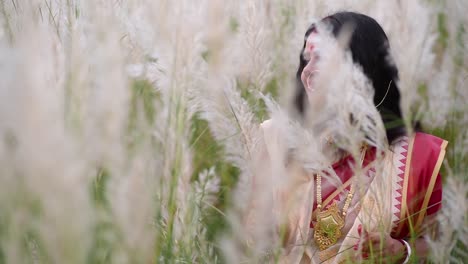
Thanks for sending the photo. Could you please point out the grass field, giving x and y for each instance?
(127, 127)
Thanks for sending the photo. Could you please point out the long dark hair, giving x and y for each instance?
(369, 48)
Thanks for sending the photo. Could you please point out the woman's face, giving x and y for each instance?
(310, 55)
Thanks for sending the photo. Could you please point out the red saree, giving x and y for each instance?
(396, 199)
(417, 185)
(418, 189)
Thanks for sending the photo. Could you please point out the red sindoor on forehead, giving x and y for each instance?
(311, 45)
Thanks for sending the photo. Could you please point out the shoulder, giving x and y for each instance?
(425, 157)
(419, 140)
(265, 125)
(419, 158)
(271, 130)
(429, 142)
(428, 153)
(427, 150)
(272, 136)
(268, 125)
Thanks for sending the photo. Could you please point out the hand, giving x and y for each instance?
(381, 246)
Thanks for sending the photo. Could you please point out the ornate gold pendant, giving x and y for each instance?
(328, 228)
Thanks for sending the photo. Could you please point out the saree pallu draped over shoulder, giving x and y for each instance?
(418, 189)
(396, 197)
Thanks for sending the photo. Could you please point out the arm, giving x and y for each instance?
(395, 250)
(426, 154)
(390, 250)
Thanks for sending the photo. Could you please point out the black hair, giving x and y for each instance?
(369, 48)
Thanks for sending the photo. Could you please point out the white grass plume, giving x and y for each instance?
(452, 233)
(65, 90)
(40, 159)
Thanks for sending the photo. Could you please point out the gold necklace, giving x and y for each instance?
(327, 231)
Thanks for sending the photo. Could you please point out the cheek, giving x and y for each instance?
(304, 78)
(306, 72)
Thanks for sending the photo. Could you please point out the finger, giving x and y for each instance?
(374, 237)
(366, 246)
(371, 242)
(356, 246)
(365, 255)
(359, 230)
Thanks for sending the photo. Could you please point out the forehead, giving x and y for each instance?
(311, 38)
(311, 41)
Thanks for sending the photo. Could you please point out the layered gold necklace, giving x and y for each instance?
(327, 230)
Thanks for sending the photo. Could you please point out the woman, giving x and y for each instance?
(335, 222)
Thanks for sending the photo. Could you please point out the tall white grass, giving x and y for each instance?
(98, 99)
